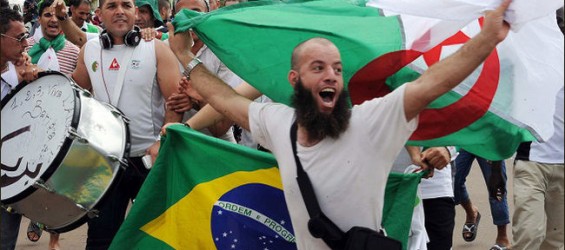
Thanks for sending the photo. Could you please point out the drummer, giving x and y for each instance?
(136, 76)
(15, 69)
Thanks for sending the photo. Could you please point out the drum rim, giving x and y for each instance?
(66, 144)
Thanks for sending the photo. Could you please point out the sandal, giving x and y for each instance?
(34, 231)
(470, 229)
(499, 247)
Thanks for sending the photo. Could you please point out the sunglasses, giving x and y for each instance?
(23, 37)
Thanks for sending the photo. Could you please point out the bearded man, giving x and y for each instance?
(347, 153)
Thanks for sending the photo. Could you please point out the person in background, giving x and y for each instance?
(537, 222)
(80, 12)
(498, 207)
(30, 15)
(165, 11)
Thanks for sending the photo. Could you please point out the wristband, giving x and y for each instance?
(190, 66)
(63, 18)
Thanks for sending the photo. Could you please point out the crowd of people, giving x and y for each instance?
(125, 53)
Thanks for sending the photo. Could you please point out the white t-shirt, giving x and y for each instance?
(217, 67)
(551, 151)
(348, 174)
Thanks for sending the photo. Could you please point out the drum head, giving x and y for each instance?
(35, 124)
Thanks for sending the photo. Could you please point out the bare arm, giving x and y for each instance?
(168, 77)
(80, 75)
(72, 32)
(218, 94)
(208, 116)
(415, 153)
(448, 73)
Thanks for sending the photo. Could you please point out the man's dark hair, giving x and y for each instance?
(30, 11)
(4, 4)
(44, 4)
(8, 15)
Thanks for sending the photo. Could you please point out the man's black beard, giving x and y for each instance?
(317, 124)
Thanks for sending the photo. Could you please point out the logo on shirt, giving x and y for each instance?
(135, 64)
(94, 66)
(114, 65)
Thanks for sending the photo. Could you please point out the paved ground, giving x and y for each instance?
(477, 189)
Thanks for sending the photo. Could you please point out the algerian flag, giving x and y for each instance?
(206, 193)
(508, 94)
(255, 40)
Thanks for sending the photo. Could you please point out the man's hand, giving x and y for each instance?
(495, 29)
(179, 102)
(23, 60)
(180, 43)
(153, 151)
(60, 8)
(437, 157)
(148, 34)
(28, 72)
(164, 128)
(418, 160)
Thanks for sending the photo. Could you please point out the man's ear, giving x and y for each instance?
(292, 77)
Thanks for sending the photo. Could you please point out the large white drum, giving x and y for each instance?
(62, 151)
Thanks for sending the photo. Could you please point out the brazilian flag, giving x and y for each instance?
(206, 193)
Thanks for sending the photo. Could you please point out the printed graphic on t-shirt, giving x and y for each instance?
(135, 64)
(114, 65)
(94, 66)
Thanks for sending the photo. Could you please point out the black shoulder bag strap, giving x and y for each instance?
(319, 225)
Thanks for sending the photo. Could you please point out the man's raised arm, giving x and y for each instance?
(217, 93)
(448, 73)
(72, 32)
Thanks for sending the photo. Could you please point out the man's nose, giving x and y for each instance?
(120, 10)
(330, 75)
(24, 43)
